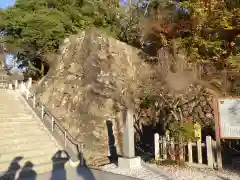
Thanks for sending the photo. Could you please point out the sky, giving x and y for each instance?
(6, 3)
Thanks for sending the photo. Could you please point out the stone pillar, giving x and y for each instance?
(128, 135)
(209, 151)
(128, 160)
(156, 146)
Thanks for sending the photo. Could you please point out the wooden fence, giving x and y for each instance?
(168, 148)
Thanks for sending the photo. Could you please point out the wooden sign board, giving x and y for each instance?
(229, 118)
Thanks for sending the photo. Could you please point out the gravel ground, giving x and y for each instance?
(152, 172)
(141, 172)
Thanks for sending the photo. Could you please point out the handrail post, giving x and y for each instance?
(16, 84)
(34, 101)
(42, 111)
(52, 124)
(65, 139)
(21, 86)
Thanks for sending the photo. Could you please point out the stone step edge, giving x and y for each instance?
(19, 123)
(36, 126)
(28, 150)
(34, 145)
(27, 142)
(15, 119)
(19, 134)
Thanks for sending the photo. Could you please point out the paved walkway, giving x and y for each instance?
(79, 174)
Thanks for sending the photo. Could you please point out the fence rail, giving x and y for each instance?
(29, 95)
(168, 148)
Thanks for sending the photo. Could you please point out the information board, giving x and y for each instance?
(229, 118)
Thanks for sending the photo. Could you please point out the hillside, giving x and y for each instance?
(94, 77)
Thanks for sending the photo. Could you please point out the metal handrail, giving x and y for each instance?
(44, 110)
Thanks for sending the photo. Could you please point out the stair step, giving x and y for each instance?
(25, 140)
(17, 116)
(21, 128)
(7, 135)
(20, 109)
(9, 123)
(23, 147)
(23, 135)
(11, 113)
(28, 153)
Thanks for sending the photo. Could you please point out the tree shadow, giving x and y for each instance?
(111, 142)
(145, 142)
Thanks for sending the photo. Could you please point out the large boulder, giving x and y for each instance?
(89, 81)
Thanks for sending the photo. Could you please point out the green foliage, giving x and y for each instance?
(37, 26)
(42, 24)
(214, 28)
(205, 30)
(184, 130)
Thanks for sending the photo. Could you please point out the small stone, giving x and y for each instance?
(207, 109)
(96, 134)
(203, 103)
(200, 112)
(184, 107)
(209, 115)
(185, 113)
(202, 98)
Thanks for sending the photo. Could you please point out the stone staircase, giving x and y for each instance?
(25, 144)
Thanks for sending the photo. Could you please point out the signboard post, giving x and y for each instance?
(217, 131)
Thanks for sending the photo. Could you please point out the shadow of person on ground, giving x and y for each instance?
(59, 160)
(83, 170)
(28, 172)
(12, 169)
(111, 142)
